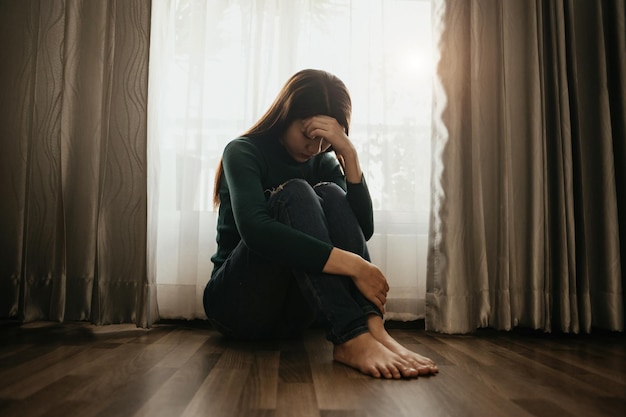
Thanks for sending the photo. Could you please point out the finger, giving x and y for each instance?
(315, 122)
(323, 127)
(378, 304)
(317, 133)
(308, 128)
(381, 305)
(342, 161)
(322, 118)
(383, 298)
(383, 289)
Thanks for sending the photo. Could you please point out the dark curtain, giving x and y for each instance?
(528, 222)
(73, 82)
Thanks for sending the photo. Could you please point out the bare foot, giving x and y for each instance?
(424, 365)
(371, 357)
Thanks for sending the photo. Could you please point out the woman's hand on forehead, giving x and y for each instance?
(326, 127)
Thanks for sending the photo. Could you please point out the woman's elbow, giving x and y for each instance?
(368, 232)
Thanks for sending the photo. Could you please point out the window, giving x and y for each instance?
(215, 68)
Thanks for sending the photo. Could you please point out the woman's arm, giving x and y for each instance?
(255, 225)
(368, 278)
(357, 193)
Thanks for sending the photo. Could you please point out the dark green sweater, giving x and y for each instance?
(254, 167)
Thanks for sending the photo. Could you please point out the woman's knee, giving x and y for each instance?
(293, 185)
(329, 190)
(295, 189)
(296, 204)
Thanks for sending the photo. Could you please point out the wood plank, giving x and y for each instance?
(180, 369)
(588, 358)
(37, 380)
(186, 346)
(9, 354)
(331, 378)
(542, 407)
(175, 394)
(236, 357)
(65, 409)
(261, 388)
(343, 413)
(296, 399)
(128, 362)
(294, 363)
(219, 394)
(256, 413)
(47, 358)
(453, 392)
(51, 396)
(587, 377)
(518, 376)
(129, 397)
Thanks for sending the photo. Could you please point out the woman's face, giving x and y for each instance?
(299, 145)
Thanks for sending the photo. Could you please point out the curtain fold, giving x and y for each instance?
(73, 163)
(527, 226)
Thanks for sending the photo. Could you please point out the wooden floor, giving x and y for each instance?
(188, 369)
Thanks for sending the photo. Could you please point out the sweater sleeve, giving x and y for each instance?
(257, 227)
(357, 194)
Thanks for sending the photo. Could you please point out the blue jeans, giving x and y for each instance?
(251, 297)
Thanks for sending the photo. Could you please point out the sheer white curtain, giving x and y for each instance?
(215, 66)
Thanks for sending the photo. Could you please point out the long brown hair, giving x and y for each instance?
(307, 93)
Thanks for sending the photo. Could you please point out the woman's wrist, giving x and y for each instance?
(351, 165)
(342, 262)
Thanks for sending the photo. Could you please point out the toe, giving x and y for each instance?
(395, 373)
(410, 373)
